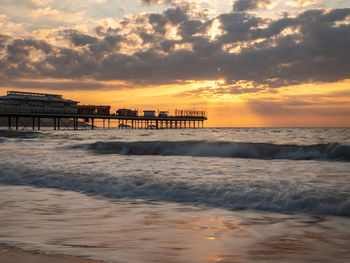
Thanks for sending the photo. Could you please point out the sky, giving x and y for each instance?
(275, 63)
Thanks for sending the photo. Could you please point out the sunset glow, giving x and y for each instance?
(248, 63)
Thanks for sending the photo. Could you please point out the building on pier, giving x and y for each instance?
(149, 113)
(30, 102)
(94, 110)
(163, 114)
(127, 112)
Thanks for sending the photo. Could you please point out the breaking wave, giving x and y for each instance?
(272, 196)
(266, 151)
(19, 134)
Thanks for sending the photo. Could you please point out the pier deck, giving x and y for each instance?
(123, 122)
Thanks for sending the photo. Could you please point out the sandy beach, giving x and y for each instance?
(9, 254)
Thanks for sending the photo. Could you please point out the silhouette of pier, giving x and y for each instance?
(76, 121)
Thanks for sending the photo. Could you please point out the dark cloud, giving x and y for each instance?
(192, 27)
(310, 47)
(176, 15)
(172, 16)
(239, 26)
(20, 49)
(108, 44)
(155, 2)
(317, 53)
(146, 37)
(79, 39)
(3, 40)
(168, 45)
(53, 85)
(158, 22)
(244, 5)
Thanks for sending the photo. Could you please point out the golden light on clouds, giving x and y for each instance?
(215, 30)
(253, 63)
(303, 3)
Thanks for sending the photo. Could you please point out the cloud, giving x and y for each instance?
(19, 50)
(287, 108)
(304, 3)
(39, 3)
(176, 45)
(53, 85)
(224, 91)
(3, 40)
(79, 39)
(244, 5)
(156, 2)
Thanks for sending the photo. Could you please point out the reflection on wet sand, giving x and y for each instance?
(138, 231)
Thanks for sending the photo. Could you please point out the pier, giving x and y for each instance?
(58, 121)
(30, 109)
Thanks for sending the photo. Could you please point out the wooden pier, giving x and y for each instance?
(16, 120)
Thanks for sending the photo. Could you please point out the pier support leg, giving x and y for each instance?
(38, 123)
(76, 124)
(103, 123)
(92, 123)
(58, 123)
(54, 123)
(33, 122)
(16, 123)
(109, 123)
(9, 123)
(157, 124)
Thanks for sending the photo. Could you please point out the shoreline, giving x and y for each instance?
(13, 254)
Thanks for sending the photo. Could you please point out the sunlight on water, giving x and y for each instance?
(135, 231)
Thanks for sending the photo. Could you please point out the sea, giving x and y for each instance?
(178, 195)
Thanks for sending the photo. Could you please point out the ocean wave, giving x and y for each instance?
(267, 151)
(19, 134)
(270, 196)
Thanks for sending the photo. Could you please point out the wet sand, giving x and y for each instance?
(9, 254)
